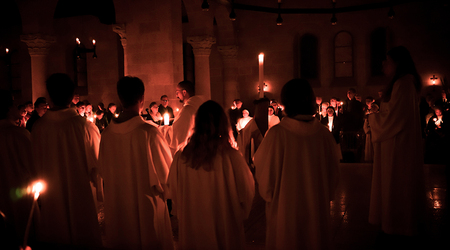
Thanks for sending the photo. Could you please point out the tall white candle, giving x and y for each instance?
(166, 119)
(261, 75)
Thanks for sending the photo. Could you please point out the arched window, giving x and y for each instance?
(343, 55)
(309, 62)
(378, 50)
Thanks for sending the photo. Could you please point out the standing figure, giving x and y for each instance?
(164, 108)
(397, 195)
(134, 163)
(154, 116)
(65, 149)
(296, 168)
(211, 185)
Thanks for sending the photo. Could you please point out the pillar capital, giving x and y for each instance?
(121, 30)
(201, 45)
(38, 44)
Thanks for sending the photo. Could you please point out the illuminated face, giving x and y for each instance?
(350, 95)
(99, 117)
(41, 109)
(330, 112)
(76, 99)
(245, 113)
(270, 111)
(239, 105)
(165, 102)
(81, 110)
(112, 109)
(89, 109)
(438, 112)
(29, 108)
(333, 103)
(154, 109)
(180, 93)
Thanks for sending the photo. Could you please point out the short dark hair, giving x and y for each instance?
(39, 101)
(298, 98)
(188, 86)
(110, 105)
(130, 89)
(99, 112)
(79, 104)
(353, 90)
(163, 96)
(61, 89)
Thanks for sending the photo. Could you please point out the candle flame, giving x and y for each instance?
(91, 119)
(37, 188)
(166, 119)
(93, 41)
(178, 109)
(116, 115)
(78, 40)
(261, 57)
(7, 50)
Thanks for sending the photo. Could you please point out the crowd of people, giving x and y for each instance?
(133, 164)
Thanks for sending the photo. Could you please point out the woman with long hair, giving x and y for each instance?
(397, 196)
(211, 186)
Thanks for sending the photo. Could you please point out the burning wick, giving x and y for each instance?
(78, 41)
(7, 50)
(93, 42)
(116, 115)
(37, 188)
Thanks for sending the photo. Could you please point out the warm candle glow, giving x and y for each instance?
(166, 119)
(261, 58)
(78, 41)
(7, 50)
(37, 188)
(93, 42)
(116, 115)
(177, 109)
(91, 119)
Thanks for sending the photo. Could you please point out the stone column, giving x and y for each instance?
(38, 48)
(230, 91)
(120, 29)
(202, 49)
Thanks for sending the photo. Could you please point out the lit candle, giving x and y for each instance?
(37, 188)
(261, 75)
(91, 119)
(116, 115)
(177, 109)
(78, 41)
(166, 119)
(95, 116)
(93, 42)
(7, 50)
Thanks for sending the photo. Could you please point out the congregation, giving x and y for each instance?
(207, 163)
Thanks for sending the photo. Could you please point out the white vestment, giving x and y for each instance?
(65, 150)
(397, 196)
(212, 205)
(296, 167)
(273, 120)
(242, 122)
(15, 173)
(134, 163)
(183, 124)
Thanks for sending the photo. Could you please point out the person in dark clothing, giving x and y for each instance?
(40, 107)
(165, 108)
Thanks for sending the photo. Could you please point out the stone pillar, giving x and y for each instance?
(230, 91)
(38, 48)
(120, 29)
(201, 46)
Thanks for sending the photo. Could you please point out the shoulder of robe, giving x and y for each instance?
(406, 80)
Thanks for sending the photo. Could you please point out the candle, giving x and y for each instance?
(261, 75)
(91, 119)
(93, 42)
(7, 50)
(78, 41)
(37, 188)
(116, 115)
(166, 119)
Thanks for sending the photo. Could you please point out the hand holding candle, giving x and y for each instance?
(36, 189)
(166, 119)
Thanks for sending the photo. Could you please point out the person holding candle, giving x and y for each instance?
(211, 186)
(165, 108)
(65, 149)
(40, 107)
(296, 168)
(134, 163)
(436, 140)
(398, 195)
(154, 116)
(16, 172)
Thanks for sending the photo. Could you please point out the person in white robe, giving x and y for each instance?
(134, 163)
(16, 174)
(242, 122)
(296, 168)
(272, 118)
(65, 149)
(398, 195)
(211, 186)
(183, 123)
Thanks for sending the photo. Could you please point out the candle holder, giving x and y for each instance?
(80, 65)
(80, 50)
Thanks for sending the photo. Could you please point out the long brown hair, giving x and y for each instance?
(211, 135)
(405, 65)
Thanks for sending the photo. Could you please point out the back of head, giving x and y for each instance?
(61, 89)
(130, 90)
(211, 132)
(188, 86)
(298, 98)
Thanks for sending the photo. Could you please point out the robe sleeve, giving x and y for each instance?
(92, 144)
(162, 158)
(267, 167)
(172, 182)
(181, 127)
(396, 114)
(245, 184)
